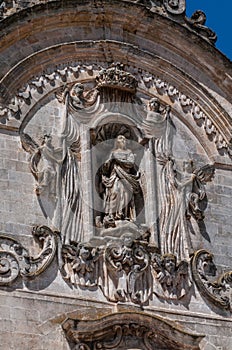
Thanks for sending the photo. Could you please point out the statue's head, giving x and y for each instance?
(85, 251)
(169, 262)
(77, 89)
(120, 142)
(154, 104)
(128, 240)
(208, 266)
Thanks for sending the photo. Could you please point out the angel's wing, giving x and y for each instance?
(69, 252)
(205, 173)
(28, 144)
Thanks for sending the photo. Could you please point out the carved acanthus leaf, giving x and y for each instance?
(48, 241)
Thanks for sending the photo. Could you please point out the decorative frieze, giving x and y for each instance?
(173, 9)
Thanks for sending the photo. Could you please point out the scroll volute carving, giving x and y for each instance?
(216, 291)
(197, 22)
(175, 7)
(16, 261)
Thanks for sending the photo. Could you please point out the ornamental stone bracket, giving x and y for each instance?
(129, 330)
(130, 271)
(16, 261)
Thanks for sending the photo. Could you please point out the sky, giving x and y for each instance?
(219, 19)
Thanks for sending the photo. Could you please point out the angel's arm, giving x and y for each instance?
(202, 176)
(28, 144)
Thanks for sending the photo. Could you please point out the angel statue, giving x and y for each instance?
(181, 198)
(172, 280)
(56, 170)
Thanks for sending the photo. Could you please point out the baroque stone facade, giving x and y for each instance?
(116, 177)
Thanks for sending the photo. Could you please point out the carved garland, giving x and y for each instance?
(70, 74)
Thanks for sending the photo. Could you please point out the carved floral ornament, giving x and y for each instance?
(133, 239)
(174, 9)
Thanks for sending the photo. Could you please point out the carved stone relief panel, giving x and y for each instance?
(109, 182)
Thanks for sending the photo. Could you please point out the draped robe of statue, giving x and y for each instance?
(175, 236)
(67, 216)
(121, 181)
(174, 198)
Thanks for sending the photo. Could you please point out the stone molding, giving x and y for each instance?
(118, 252)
